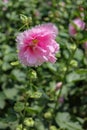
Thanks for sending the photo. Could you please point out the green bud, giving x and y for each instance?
(25, 20)
(33, 74)
(19, 106)
(36, 95)
(30, 20)
(64, 69)
(73, 47)
(50, 14)
(48, 115)
(74, 63)
(46, 18)
(52, 127)
(56, 13)
(28, 93)
(19, 127)
(29, 122)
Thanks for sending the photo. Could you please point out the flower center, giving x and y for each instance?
(35, 41)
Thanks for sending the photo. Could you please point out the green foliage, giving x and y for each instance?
(42, 104)
(64, 121)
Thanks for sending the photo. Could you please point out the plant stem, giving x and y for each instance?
(21, 27)
(25, 102)
(24, 112)
(65, 73)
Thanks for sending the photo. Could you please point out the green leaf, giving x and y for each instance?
(11, 117)
(64, 122)
(3, 125)
(81, 71)
(15, 63)
(39, 125)
(6, 66)
(2, 100)
(10, 93)
(34, 109)
(19, 75)
(79, 54)
(71, 77)
(2, 104)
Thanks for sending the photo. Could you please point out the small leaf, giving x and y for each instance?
(20, 76)
(15, 63)
(81, 71)
(79, 54)
(2, 100)
(72, 77)
(33, 110)
(10, 92)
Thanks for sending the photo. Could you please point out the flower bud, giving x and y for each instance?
(61, 99)
(74, 63)
(50, 14)
(48, 115)
(52, 127)
(19, 127)
(33, 74)
(76, 25)
(64, 69)
(29, 122)
(19, 106)
(36, 95)
(25, 20)
(73, 47)
(58, 86)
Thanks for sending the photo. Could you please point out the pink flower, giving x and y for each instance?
(5, 1)
(77, 23)
(37, 45)
(61, 100)
(85, 45)
(58, 86)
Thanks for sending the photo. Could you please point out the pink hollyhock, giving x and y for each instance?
(85, 45)
(37, 45)
(76, 24)
(5, 1)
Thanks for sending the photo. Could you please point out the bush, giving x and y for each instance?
(43, 105)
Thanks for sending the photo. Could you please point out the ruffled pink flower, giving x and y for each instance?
(37, 45)
(78, 23)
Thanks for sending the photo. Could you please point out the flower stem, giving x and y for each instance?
(21, 27)
(65, 73)
(26, 100)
